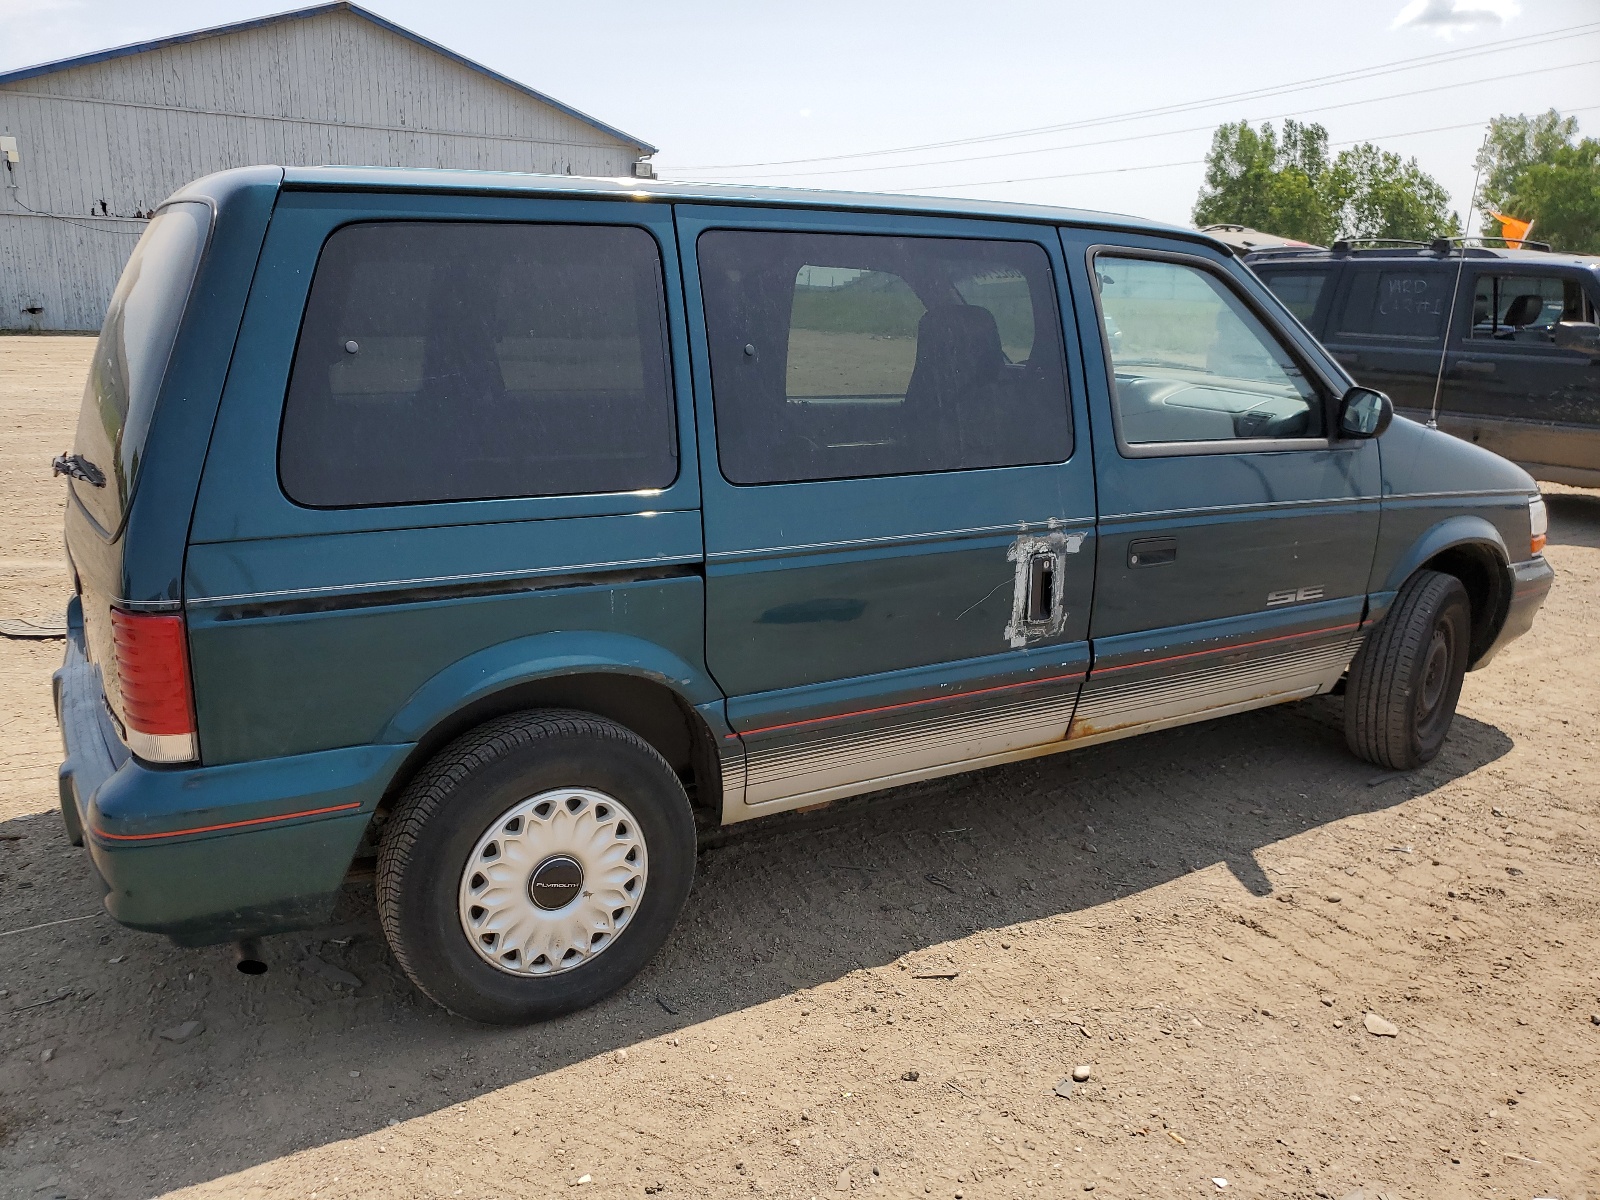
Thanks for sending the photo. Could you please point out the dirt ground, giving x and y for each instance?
(882, 998)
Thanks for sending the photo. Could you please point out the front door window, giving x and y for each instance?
(1525, 309)
(1192, 363)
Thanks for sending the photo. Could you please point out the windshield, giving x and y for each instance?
(131, 356)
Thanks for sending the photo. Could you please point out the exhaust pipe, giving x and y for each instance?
(247, 957)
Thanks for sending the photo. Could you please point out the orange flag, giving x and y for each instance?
(1513, 230)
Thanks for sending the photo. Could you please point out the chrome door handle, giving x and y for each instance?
(1472, 367)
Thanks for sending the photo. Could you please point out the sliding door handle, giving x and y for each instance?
(1041, 586)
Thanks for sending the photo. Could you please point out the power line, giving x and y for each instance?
(1354, 75)
(1194, 162)
(1161, 133)
(59, 217)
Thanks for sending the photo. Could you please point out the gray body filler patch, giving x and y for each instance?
(1020, 631)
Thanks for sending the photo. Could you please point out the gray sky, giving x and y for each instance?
(714, 82)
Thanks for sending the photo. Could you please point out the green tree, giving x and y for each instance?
(1288, 185)
(1266, 182)
(1512, 146)
(1373, 193)
(1536, 168)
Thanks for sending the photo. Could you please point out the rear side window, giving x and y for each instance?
(130, 359)
(838, 356)
(1299, 291)
(1405, 303)
(463, 361)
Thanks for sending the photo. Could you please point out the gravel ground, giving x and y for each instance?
(886, 997)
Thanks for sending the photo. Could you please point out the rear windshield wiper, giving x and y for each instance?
(78, 467)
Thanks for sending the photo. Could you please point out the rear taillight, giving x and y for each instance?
(157, 707)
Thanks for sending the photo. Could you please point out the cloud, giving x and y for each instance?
(1445, 17)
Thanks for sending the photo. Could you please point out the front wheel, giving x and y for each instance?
(1406, 679)
(534, 866)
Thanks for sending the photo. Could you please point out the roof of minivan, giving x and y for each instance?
(503, 182)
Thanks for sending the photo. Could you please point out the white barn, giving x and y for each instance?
(89, 145)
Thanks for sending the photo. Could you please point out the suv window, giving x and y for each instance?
(457, 361)
(1525, 309)
(839, 356)
(1400, 303)
(130, 359)
(1299, 291)
(1192, 363)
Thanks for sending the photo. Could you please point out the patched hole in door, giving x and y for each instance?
(1038, 608)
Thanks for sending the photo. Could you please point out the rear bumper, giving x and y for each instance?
(209, 854)
(1529, 583)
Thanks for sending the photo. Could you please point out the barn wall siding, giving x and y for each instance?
(331, 89)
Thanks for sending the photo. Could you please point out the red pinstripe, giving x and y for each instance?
(143, 837)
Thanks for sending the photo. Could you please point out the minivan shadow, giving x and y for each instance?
(778, 906)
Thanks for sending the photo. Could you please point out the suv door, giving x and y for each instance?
(899, 530)
(1236, 537)
(1517, 382)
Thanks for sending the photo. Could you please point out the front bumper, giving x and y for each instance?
(1529, 584)
(209, 854)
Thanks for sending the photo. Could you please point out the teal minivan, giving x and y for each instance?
(508, 529)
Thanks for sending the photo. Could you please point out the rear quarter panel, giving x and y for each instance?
(320, 628)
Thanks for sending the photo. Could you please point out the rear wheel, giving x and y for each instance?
(534, 866)
(1406, 679)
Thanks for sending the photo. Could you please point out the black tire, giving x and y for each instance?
(1406, 679)
(455, 801)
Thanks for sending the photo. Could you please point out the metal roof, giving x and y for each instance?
(509, 182)
(301, 14)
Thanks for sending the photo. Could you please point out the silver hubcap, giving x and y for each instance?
(552, 882)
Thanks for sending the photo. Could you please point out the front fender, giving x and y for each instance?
(538, 657)
(1467, 546)
(1459, 530)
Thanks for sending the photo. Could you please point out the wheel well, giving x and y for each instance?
(649, 709)
(1481, 572)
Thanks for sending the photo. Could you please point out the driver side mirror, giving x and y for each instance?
(1364, 413)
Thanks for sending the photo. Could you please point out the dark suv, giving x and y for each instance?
(1520, 349)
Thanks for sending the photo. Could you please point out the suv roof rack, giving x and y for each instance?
(1439, 245)
(1508, 243)
(1345, 245)
(1469, 247)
